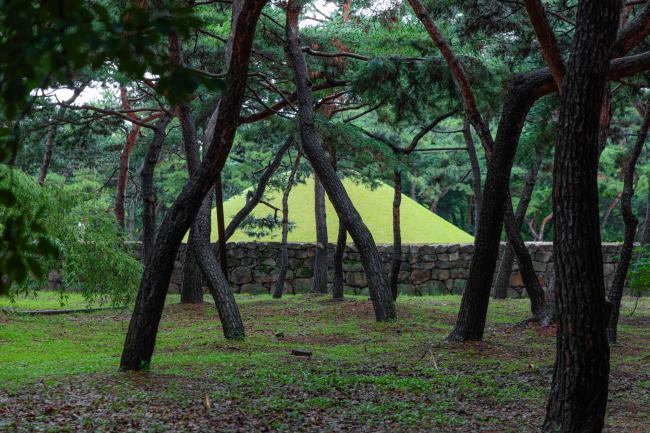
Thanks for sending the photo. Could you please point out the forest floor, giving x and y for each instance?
(59, 373)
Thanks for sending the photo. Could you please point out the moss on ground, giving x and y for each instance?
(59, 372)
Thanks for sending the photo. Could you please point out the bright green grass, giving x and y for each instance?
(361, 371)
(419, 225)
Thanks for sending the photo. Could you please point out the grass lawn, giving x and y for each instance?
(59, 372)
(419, 225)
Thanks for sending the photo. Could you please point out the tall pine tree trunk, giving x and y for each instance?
(143, 327)
(338, 283)
(502, 282)
(396, 258)
(476, 171)
(148, 194)
(579, 390)
(631, 222)
(315, 152)
(319, 281)
(284, 253)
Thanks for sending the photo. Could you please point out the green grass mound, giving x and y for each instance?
(419, 225)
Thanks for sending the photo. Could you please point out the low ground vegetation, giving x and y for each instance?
(60, 372)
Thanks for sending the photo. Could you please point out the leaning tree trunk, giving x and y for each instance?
(231, 322)
(396, 259)
(631, 222)
(148, 193)
(502, 282)
(143, 327)
(315, 152)
(214, 274)
(319, 281)
(284, 252)
(257, 196)
(578, 397)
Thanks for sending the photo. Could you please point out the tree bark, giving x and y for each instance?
(192, 284)
(524, 91)
(338, 283)
(396, 258)
(319, 281)
(212, 270)
(148, 194)
(476, 171)
(377, 282)
(579, 389)
(502, 282)
(631, 222)
(646, 228)
(143, 327)
(284, 252)
(123, 170)
(221, 226)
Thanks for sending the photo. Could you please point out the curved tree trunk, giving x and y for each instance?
(578, 397)
(284, 253)
(377, 282)
(396, 259)
(505, 266)
(319, 281)
(143, 327)
(631, 223)
(148, 194)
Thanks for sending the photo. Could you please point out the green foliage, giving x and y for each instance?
(638, 277)
(92, 256)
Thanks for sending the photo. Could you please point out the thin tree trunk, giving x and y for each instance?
(377, 282)
(143, 327)
(123, 170)
(609, 211)
(502, 282)
(528, 274)
(579, 390)
(221, 226)
(396, 259)
(255, 198)
(646, 229)
(341, 241)
(476, 171)
(284, 252)
(148, 193)
(631, 222)
(51, 134)
(319, 281)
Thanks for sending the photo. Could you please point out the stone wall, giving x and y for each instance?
(426, 269)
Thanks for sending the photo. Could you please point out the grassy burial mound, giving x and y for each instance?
(419, 225)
